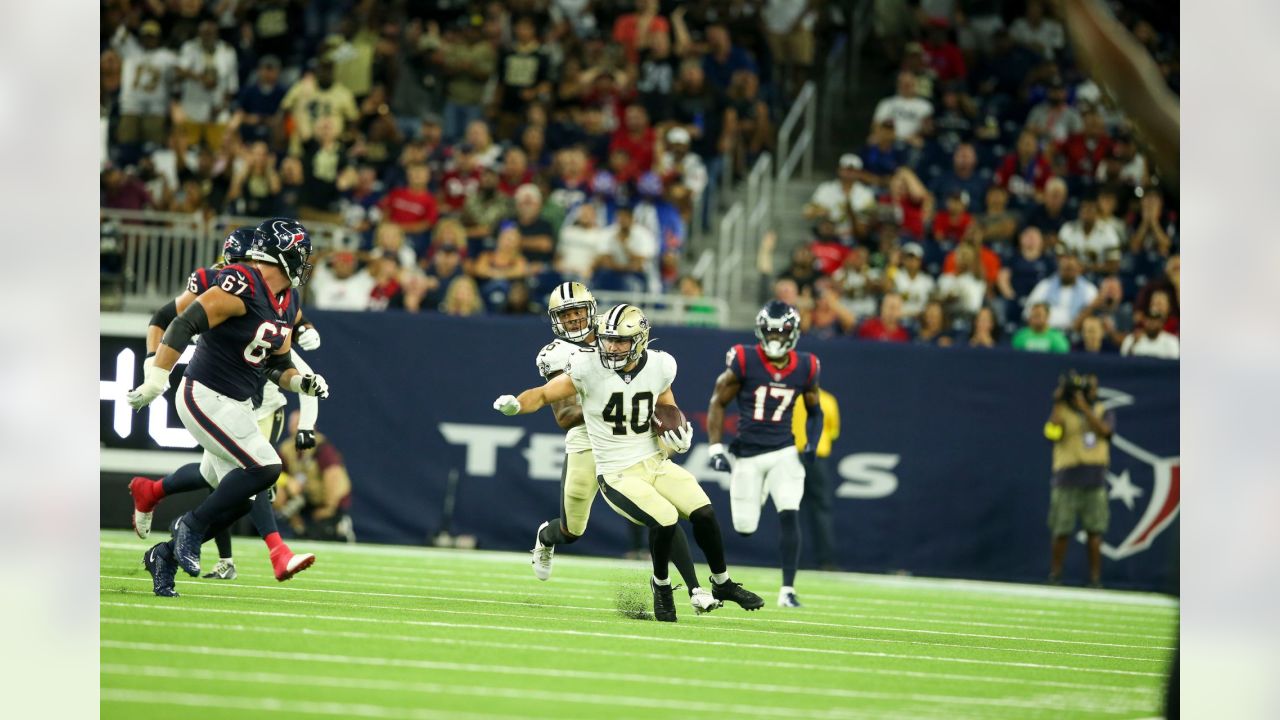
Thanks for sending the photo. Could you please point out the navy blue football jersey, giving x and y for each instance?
(767, 397)
(229, 358)
(202, 279)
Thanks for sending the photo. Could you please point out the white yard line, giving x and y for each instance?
(467, 644)
(613, 636)
(589, 675)
(537, 590)
(291, 707)
(279, 588)
(976, 587)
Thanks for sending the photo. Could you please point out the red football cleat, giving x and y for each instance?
(145, 499)
(286, 564)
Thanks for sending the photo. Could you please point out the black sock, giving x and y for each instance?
(553, 534)
(184, 479)
(224, 503)
(262, 514)
(683, 559)
(660, 538)
(223, 539)
(706, 531)
(789, 520)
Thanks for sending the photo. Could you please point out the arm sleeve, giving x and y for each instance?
(165, 315)
(308, 405)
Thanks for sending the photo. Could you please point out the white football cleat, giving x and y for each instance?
(787, 598)
(142, 523)
(542, 555)
(703, 601)
(224, 570)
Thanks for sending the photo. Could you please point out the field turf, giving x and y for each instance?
(387, 632)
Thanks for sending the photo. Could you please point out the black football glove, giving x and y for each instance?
(305, 439)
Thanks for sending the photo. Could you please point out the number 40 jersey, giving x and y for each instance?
(618, 406)
(767, 397)
(229, 358)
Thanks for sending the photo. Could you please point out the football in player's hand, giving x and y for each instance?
(666, 417)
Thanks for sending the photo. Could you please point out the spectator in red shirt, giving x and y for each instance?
(625, 27)
(886, 327)
(412, 207)
(462, 180)
(636, 138)
(828, 252)
(1084, 151)
(950, 226)
(1025, 170)
(912, 203)
(943, 55)
(123, 191)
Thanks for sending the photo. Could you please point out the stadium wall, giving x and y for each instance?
(941, 467)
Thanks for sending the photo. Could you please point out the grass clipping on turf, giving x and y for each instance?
(632, 600)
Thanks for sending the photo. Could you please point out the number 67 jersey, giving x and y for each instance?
(767, 397)
(229, 358)
(618, 405)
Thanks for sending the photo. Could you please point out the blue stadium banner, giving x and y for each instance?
(940, 469)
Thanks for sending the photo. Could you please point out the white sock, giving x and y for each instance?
(786, 589)
(661, 583)
(720, 578)
(228, 560)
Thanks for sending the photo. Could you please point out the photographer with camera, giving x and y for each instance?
(1080, 429)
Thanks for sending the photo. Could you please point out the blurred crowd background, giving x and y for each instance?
(986, 193)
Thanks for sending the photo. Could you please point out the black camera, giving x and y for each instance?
(1071, 384)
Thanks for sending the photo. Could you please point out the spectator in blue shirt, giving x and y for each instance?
(1024, 271)
(883, 155)
(258, 105)
(963, 177)
(723, 58)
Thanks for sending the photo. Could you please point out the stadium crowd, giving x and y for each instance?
(483, 151)
(1000, 197)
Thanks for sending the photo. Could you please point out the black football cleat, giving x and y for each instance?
(159, 562)
(186, 546)
(734, 592)
(664, 605)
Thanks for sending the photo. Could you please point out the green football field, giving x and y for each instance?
(390, 632)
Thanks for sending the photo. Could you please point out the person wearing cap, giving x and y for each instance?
(843, 199)
(913, 284)
(147, 74)
(1054, 119)
(257, 115)
(682, 171)
(319, 95)
(908, 111)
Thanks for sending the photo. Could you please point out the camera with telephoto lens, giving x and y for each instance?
(1071, 384)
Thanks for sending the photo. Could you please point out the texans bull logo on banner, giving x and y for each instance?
(1144, 489)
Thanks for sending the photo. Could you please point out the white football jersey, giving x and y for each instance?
(553, 360)
(618, 405)
(145, 81)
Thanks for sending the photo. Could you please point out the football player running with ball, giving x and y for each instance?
(765, 379)
(619, 383)
(245, 322)
(572, 309)
(269, 407)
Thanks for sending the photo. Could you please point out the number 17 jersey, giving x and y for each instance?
(767, 397)
(617, 406)
(230, 357)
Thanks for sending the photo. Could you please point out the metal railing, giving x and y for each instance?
(670, 309)
(798, 151)
(157, 251)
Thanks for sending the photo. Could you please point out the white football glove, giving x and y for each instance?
(507, 405)
(308, 338)
(679, 439)
(154, 382)
(313, 385)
